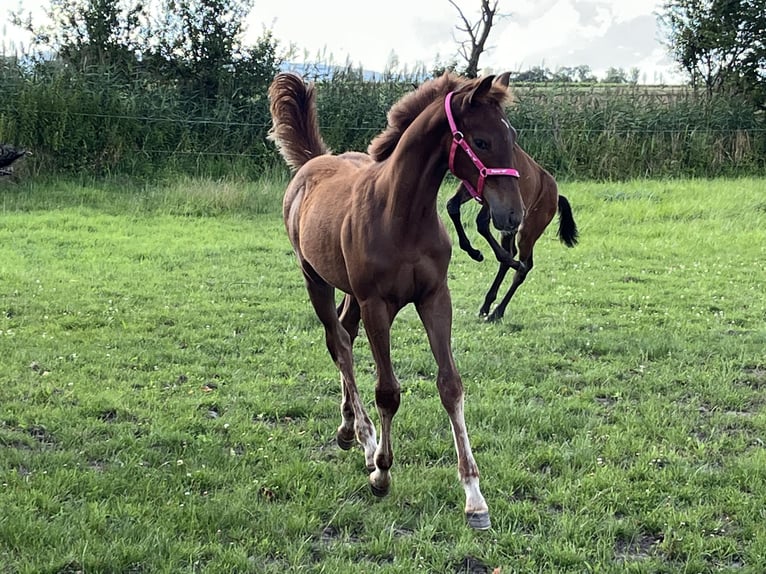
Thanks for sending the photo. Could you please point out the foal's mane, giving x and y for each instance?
(411, 105)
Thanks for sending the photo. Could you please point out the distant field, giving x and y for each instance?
(167, 403)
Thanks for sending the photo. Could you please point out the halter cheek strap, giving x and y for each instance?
(458, 139)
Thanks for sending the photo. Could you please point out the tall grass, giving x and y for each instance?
(97, 122)
(627, 132)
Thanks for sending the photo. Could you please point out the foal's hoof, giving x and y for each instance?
(476, 255)
(478, 520)
(379, 483)
(343, 442)
(379, 492)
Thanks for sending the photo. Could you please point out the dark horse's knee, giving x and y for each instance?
(453, 205)
(482, 221)
(453, 210)
(387, 398)
(454, 202)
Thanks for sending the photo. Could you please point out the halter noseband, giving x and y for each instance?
(458, 139)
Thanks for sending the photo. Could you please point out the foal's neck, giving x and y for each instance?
(416, 169)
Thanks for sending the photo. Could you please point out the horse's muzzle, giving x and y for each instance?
(509, 223)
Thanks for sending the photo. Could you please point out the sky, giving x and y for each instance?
(601, 34)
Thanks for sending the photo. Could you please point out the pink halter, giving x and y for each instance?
(458, 139)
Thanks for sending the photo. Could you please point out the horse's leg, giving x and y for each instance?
(339, 343)
(502, 253)
(518, 278)
(526, 248)
(509, 244)
(436, 314)
(377, 317)
(348, 313)
(453, 210)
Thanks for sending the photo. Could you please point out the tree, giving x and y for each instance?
(478, 32)
(536, 74)
(721, 44)
(197, 42)
(615, 76)
(584, 74)
(194, 45)
(91, 32)
(563, 75)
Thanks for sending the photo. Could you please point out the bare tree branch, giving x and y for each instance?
(471, 49)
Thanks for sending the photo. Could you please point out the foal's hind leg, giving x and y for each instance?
(509, 244)
(339, 344)
(527, 240)
(436, 314)
(518, 278)
(348, 313)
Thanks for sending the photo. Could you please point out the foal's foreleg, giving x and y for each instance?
(436, 314)
(453, 210)
(503, 254)
(377, 317)
(339, 344)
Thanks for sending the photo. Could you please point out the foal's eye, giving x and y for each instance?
(481, 144)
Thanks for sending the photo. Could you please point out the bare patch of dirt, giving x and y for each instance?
(41, 435)
(332, 535)
(472, 565)
(635, 549)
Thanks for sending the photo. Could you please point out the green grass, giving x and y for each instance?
(167, 403)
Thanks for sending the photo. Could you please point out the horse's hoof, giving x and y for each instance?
(476, 256)
(478, 520)
(344, 442)
(493, 318)
(379, 492)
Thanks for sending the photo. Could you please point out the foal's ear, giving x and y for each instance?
(482, 88)
(503, 79)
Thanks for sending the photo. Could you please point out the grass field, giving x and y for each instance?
(167, 403)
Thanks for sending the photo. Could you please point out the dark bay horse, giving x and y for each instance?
(368, 225)
(541, 201)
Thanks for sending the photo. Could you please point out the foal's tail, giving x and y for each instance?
(295, 129)
(567, 227)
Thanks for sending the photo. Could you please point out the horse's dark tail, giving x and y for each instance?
(567, 227)
(295, 128)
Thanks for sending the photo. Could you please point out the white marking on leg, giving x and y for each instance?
(381, 477)
(365, 433)
(467, 469)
